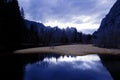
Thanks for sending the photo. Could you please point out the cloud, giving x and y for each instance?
(87, 67)
(77, 12)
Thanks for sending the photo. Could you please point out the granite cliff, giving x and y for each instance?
(108, 34)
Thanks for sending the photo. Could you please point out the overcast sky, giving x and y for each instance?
(85, 15)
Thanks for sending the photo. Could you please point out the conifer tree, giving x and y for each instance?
(12, 28)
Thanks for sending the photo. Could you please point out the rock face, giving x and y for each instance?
(108, 35)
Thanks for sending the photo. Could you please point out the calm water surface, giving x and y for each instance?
(87, 67)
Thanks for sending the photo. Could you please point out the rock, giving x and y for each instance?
(108, 33)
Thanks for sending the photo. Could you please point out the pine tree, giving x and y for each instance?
(22, 13)
(33, 35)
(12, 28)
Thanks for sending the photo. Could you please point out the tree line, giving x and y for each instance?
(17, 33)
(46, 35)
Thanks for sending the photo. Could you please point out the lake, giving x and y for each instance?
(87, 67)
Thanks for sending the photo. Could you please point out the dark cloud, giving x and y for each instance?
(66, 11)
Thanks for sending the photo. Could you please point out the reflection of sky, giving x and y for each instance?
(68, 68)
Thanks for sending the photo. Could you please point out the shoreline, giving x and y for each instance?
(78, 49)
(14, 63)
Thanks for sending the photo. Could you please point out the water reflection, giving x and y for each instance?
(87, 67)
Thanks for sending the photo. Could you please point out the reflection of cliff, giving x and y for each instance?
(12, 65)
(108, 61)
(108, 35)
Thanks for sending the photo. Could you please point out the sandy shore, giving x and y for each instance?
(78, 49)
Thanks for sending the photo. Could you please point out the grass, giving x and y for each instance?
(78, 49)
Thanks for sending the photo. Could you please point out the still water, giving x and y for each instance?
(87, 67)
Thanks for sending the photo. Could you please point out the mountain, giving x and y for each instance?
(48, 35)
(108, 34)
(40, 34)
(17, 33)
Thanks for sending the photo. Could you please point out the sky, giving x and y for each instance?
(85, 15)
